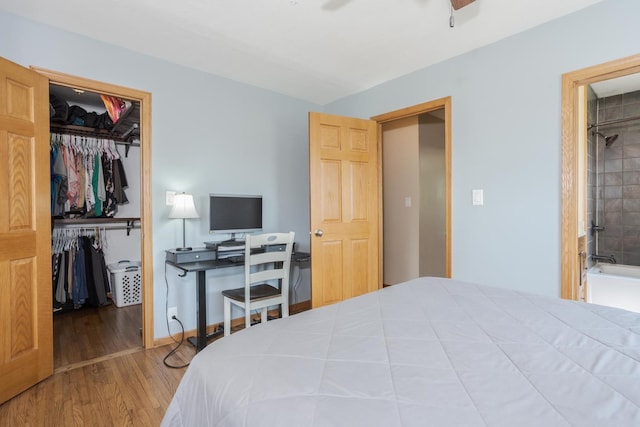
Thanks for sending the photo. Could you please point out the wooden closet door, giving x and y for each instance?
(344, 207)
(26, 348)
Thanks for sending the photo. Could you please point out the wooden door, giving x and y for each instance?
(344, 197)
(26, 348)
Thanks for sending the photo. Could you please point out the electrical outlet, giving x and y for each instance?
(172, 311)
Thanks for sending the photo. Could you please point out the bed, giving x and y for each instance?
(428, 352)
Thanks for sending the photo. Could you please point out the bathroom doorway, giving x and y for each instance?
(579, 169)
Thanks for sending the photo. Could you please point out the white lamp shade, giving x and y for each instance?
(183, 207)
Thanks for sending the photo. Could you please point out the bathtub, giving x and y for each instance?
(614, 285)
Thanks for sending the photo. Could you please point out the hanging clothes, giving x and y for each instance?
(120, 182)
(80, 275)
(88, 178)
(59, 180)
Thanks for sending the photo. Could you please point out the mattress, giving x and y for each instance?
(428, 352)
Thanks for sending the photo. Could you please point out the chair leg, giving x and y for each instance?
(263, 315)
(227, 317)
(285, 309)
(247, 316)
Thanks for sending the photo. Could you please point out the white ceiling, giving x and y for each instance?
(316, 50)
(617, 86)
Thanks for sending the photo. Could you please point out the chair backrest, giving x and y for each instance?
(267, 257)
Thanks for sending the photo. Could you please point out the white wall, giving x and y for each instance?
(209, 134)
(507, 136)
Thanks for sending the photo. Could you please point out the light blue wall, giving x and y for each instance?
(209, 134)
(507, 138)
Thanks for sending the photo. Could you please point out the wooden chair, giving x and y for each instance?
(267, 257)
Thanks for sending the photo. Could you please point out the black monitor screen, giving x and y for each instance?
(234, 213)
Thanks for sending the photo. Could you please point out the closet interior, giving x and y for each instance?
(95, 219)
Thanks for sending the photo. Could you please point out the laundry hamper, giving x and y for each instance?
(126, 283)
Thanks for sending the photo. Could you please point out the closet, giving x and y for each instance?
(95, 218)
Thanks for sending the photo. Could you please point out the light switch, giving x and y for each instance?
(169, 198)
(477, 197)
(407, 202)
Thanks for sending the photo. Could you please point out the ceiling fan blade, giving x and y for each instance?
(457, 4)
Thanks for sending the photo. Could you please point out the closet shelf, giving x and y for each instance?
(98, 222)
(124, 132)
(93, 132)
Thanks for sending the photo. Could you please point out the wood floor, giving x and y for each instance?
(131, 390)
(102, 375)
(89, 333)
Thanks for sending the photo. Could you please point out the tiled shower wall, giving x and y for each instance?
(618, 179)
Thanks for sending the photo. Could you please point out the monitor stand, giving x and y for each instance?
(232, 241)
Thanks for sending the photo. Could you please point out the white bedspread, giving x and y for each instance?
(429, 352)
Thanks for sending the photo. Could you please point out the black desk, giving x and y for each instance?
(201, 267)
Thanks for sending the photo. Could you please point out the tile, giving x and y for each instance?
(613, 152)
(631, 244)
(629, 151)
(613, 191)
(631, 97)
(630, 192)
(612, 101)
(613, 165)
(631, 231)
(613, 178)
(613, 217)
(632, 164)
(612, 230)
(631, 177)
(631, 205)
(631, 110)
(610, 113)
(631, 218)
(632, 134)
(613, 205)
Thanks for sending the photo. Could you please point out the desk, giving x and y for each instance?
(201, 267)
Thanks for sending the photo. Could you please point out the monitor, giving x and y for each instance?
(234, 213)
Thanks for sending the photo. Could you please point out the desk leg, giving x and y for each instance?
(200, 341)
(202, 310)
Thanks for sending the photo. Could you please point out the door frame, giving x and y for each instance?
(144, 98)
(569, 252)
(415, 110)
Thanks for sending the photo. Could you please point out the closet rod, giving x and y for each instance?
(102, 227)
(93, 133)
(105, 223)
(614, 121)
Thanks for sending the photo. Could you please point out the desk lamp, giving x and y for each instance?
(183, 208)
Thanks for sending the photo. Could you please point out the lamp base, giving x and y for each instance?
(183, 249)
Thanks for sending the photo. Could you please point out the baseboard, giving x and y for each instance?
(238, 322)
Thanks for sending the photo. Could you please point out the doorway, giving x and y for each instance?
(574, 223)
(119, 319)
(413, 161)
(416, 197)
